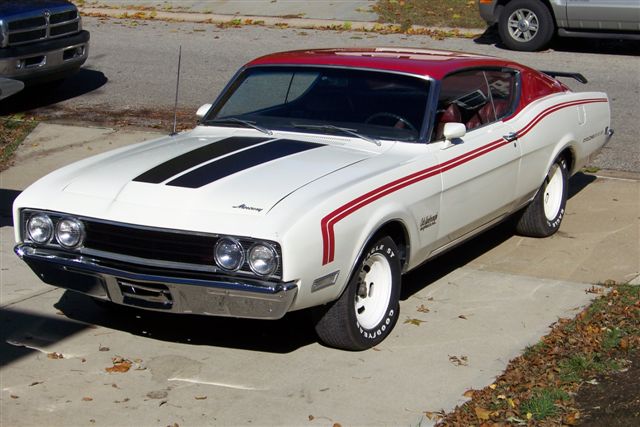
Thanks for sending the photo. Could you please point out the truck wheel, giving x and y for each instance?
(526, 25)
(367, 310)
(543, 216)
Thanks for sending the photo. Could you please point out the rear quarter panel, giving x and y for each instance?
(550, 125)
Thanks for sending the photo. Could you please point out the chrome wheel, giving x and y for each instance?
(523, 25)
(374, 291)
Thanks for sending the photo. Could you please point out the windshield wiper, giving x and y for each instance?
(236, 120)
(348, 131)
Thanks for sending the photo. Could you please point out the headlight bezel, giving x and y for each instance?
(80, 230)
(47, 220)
(269, 248)
(234, 242)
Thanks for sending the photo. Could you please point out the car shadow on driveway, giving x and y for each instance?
(446, 263)
(45, 95)
(288, 334)
(571, 44)
(6, 204)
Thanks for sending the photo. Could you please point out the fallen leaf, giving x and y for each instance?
(200, 397)
(422, 309)
(468, 393)
(624, 344)
(120, 365)
(459, 361)
(482, 413)
(493, 386)
(337, 425)
(13, 396)
(311, 417)
(87, 399)
(159, 394)
(162, 402)
(55, 355)
(416, 322)
(101, 348)
(35, 383)
(573, 419)
(462, 316)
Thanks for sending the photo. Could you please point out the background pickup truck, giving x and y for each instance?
(530, 24)
(41, 40)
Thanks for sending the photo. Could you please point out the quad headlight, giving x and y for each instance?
(229, 254)
(43, 228)
(40, 228)
(70, 233)
(263, 259)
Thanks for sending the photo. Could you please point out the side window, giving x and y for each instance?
(474, 98)
(502, 85)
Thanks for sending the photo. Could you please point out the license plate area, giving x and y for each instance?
(145, 295)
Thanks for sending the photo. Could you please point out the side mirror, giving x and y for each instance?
(202, 111)
(454, 130)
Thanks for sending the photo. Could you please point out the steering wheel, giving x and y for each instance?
(398, 118)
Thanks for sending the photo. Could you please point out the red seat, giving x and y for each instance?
(450, 115)
(485, 114)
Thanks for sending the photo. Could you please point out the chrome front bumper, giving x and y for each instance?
(31, 62)
(176, 293)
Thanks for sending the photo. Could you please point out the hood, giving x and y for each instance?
(237, 174)
(13, 7)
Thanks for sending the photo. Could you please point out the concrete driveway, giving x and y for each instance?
(463, 316)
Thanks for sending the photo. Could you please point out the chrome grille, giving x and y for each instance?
(43, 25)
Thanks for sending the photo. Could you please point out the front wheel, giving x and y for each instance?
(368, 309)
(544, 214)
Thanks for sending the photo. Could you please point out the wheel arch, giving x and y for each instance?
(397, 230)
(502, 3)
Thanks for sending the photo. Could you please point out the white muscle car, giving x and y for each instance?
(315, 180)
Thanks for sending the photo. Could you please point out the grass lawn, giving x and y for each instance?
(444, 13)
(13, 130)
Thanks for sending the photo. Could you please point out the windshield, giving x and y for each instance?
(373, 105)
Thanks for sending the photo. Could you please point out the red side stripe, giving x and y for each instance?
(328, 222)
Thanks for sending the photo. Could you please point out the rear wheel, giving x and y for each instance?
(367, 310)
(543, 216)
(526, 25)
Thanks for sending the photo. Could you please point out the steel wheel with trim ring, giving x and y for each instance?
(544, 214)
(526, 25)
(367, 310)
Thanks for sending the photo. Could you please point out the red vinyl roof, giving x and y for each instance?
(423, 62)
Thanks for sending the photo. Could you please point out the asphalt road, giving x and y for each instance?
(133, 65)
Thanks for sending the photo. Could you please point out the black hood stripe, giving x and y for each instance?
(209, 152)
(241, 161)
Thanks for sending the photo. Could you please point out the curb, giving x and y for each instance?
(271, 21)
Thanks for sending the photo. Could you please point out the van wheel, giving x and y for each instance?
(544, 214)
(368, 309)
(526, 25)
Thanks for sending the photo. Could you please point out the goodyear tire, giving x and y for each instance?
(368, 309)
(526, 25)
(544, 214)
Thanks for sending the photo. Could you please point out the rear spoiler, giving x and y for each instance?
(577, 76)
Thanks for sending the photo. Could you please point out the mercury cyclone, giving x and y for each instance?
(314, 181)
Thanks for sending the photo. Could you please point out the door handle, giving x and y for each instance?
(511, 136)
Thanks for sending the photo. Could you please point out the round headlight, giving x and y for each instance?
(70, 233)
(263, 259)
(40, 228)
(229, 254)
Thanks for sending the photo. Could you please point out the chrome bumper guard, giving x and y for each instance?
(221, 296)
